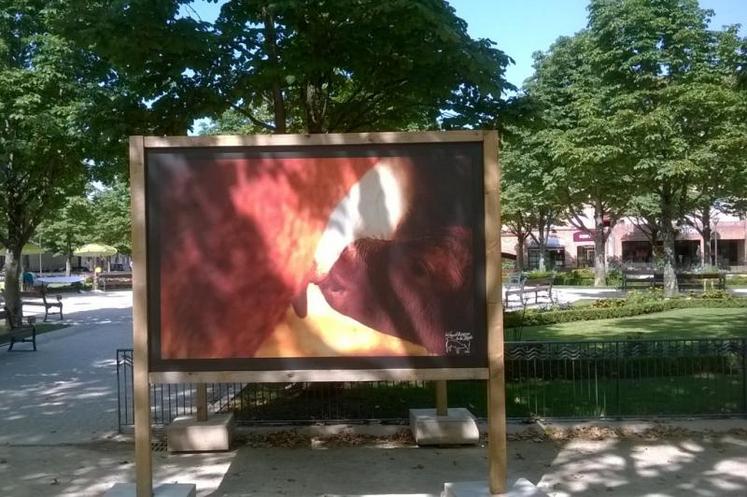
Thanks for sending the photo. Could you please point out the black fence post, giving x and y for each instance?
(744, 376)
(618, 360)
(119, 396)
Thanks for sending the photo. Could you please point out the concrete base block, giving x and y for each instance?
(521, 488)
(165, 490)
(186, 434)
(457, 428)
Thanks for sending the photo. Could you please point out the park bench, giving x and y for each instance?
(114, 280)
(638, 279)
(519, 285)
(684, 280)
(514, 286)
(19, 332)
(538, 286)
(701, 280)
(39, 294)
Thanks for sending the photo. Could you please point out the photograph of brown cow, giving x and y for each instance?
(360, 252)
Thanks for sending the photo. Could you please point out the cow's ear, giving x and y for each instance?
(300, 303)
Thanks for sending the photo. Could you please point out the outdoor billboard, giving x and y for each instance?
(357, 255)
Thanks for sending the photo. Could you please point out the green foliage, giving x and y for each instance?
(635, 297)
(711, 294)
(112, 220)
(608, 303)
(673, 101)
(614, 277)
(67, 228)
(303, 65)
(614, 308)
(575, 277)
(537, 275)
(52, 91)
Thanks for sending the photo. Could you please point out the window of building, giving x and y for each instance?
(585, 256)
(555, 258)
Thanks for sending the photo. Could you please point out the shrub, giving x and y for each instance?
(535, 275)
(576, 277)
(608, 303)
(614, 277)
(533, 317)
(643, 296)
(711, 294)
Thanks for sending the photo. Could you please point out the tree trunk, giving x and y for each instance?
(520, 265)
(670, 261)
(13, 283)
(278, 102)
(313, 109)
(541, 263)
(600, 270)
(600, 266)
(68, 264)
(705, 220)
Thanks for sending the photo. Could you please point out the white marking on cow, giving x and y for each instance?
(373, 208)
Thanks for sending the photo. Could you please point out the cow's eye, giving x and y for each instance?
(419, 269)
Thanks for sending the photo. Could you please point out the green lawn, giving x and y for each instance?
(679, 323)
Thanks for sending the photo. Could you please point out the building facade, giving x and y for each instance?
(570, 248)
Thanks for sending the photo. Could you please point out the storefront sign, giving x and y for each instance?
(583, 236)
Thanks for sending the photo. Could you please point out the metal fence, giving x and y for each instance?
(588, 379)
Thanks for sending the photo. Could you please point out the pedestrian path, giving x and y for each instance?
(66, 392)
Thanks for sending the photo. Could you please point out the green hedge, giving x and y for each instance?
(539, 318)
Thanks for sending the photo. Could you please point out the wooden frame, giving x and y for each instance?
(494, 373)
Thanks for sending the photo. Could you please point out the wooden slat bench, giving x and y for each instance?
(638, 279)
(538, 286)
(521, 286)
(39, 296)
(114, 280)
(701, 280)
(684, 280)
(18, 333)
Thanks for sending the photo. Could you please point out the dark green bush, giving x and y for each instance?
(533, 317)
(608, 303)
(576, 277)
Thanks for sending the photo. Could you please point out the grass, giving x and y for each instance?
(678, 323)
(665, 395)
(586, 396)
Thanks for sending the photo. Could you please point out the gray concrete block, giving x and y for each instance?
(521, 488)
(165, 490)
(459, 427)
(186, 434)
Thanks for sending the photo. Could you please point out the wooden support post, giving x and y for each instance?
(496, 375)
(141, 385)
(442, 399)
(201, 401)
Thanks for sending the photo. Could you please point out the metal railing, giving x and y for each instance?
(585, 379)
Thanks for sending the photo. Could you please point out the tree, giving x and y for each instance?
(715, 116)
(658, 59)
(529, 190)
(294, 65)
(68, 228)
(48, 90)
(515, 220)
(111, 214)
(324, 66)
(590, 170)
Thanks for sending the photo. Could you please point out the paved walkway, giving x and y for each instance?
(66, 392)
(58, 423)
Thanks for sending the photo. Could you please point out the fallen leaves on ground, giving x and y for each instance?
(294, 439)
